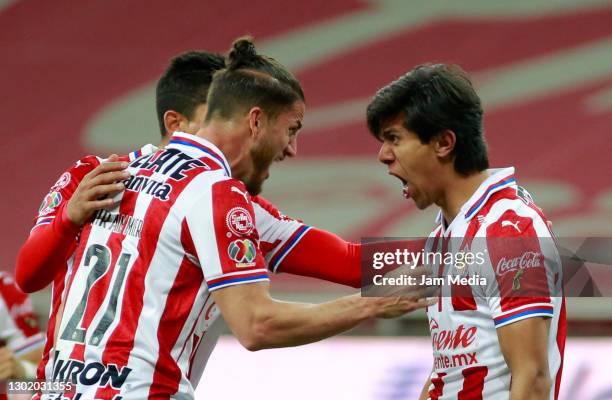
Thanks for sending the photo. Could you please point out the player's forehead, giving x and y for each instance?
(394, 125)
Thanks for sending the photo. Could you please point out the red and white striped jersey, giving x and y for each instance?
(52, 207)
(278, 236)
(139, 296)
(516, 248)
(18, 325)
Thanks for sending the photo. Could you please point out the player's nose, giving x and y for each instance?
(291, 149)
(385, 154)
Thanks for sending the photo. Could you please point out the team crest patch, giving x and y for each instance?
(239, 221)
(62, 182)
(243, 251)
(49, 203)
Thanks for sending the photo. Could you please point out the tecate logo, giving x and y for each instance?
(452, 339)
(529, 259)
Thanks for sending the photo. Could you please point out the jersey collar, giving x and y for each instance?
(498, 179)
(202, 146)
(143, 151)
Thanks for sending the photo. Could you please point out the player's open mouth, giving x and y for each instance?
(405, 185)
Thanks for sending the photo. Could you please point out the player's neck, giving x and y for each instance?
(232, 141)
(458, 191)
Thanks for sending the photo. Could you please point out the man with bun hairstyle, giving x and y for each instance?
(287, 244)
(181, 235)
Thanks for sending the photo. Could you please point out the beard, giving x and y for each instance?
(262, 155)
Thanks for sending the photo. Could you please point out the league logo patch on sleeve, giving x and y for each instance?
(243, 251)
(239, 221)
(50, 203)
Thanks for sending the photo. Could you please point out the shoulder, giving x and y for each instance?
(512, 214)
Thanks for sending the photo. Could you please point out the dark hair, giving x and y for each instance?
(432, 99)
(184, 85)
(251, 79)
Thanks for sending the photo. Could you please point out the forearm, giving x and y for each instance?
(44, 253)
(260, 322)
(283, 324)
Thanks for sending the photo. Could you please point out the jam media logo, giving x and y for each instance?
(243, 251)
(239, 221)
(49, 203)
(529, 259)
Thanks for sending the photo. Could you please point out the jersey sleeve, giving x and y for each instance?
(221, 225)
(336, 260)
(279, 235)
(63, 189)
(525, 267)
(53, 236)
(21, 331)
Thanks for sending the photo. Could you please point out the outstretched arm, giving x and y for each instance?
(260, 322)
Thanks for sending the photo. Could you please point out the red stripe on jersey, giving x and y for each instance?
(508, 247)
(561, 335)
(438, 389)
(195, 323)
(197, 341)
(179, 302)
(462, 297)
(543, 307)
(473, 383)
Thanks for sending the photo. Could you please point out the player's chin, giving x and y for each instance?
(420, 202)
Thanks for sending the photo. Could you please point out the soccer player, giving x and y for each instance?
(21, 342)
(287, 244)
(489, 342)
(183, 233)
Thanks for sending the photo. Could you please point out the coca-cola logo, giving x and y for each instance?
(451, 339)
(529, 259)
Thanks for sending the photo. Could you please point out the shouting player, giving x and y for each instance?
(489, 342)
(183, 233)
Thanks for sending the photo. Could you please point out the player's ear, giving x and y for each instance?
(444, 143)
(172, 121)
(256, 122)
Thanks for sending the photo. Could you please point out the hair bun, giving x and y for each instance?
(243, 50)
